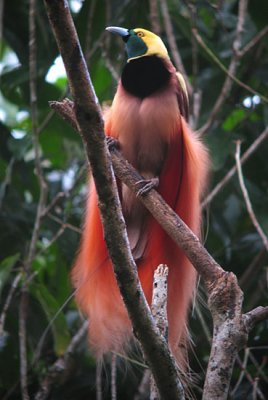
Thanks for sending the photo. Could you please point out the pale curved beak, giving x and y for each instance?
(118, 31)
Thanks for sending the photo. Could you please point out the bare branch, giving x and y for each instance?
(253, 147)
(159, 299)
(159, 312)
(246, 197)
(255, 316)
(229, 336)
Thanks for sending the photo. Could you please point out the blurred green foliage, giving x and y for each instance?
(52, 317)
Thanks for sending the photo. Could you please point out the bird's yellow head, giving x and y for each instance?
(140, 42)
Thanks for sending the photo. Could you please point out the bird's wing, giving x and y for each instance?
(183, 99)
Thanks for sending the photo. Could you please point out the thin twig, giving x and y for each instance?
(203, 323)
(67, 193)
(154, 17)
(143, 389)
(253, 147)
(173, 46)
(41, 341)
(113, 377)
(10, 295)
(253, 41)
(88, 31)
(197, 93)
(227, 85)
(259, 367)
(252, 270)
(105, 45)
(255, 389)
(243, 367)
(256, 316)
(61, 366)
(246, 197)
(7, 180)
(64, 224)
(98, 381)
(23, 308)
(250, 379)
(58, 234)
(108, 64)
(2, 3)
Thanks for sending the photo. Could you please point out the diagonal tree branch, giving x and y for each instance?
(168, 219)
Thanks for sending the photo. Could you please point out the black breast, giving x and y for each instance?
(143, 76)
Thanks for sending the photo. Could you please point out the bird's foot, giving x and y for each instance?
(147, 185)
(112, 143)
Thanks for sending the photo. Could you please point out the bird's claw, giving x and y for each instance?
(147, 185)
(112, 143)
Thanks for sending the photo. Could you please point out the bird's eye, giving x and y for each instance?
(140, 34)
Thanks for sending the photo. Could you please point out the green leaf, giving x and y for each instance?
(55, 318)
(5, 269)
(233, 119)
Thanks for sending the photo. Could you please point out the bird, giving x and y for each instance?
(148, 121)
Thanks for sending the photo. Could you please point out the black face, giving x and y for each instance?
(143, 76)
